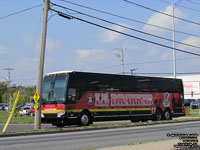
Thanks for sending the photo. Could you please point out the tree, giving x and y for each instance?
(3, 92)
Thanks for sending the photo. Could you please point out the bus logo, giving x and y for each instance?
(166, 101)
(90, 100)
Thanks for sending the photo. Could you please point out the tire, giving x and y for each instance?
(84, 119)
(167, 115)
(158, 115)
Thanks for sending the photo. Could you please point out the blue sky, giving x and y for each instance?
(75, 45)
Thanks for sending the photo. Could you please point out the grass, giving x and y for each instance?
(192, 112)
(16, 119)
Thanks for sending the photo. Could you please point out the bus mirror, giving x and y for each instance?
(72, 94)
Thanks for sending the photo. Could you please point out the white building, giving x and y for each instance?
(191, 85)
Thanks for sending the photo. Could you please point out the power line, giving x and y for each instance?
(123, 26)
(193, 2)
(12, 14)
(135, 37)
(154, 10)
(197, 10)
(143, 63)
(126, 18)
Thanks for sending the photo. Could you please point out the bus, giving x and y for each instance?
(72, 97)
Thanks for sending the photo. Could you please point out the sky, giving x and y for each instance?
(75, 45)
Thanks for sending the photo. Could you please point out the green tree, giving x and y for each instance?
(3, 92)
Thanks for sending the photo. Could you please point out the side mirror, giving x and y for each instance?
(72, 94)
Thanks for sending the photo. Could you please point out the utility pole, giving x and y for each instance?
(9, 81)
(121, 57)
(37, 124)
(173, 29)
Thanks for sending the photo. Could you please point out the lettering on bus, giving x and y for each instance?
(102, 99)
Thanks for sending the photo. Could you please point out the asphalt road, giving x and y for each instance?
(21, 127)
(85, 140)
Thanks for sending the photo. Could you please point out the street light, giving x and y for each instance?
(133, 70)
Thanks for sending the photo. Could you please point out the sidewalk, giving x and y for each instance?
(159, 145)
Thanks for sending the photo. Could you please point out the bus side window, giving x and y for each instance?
(72, 94)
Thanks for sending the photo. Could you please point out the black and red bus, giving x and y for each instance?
(72, 97)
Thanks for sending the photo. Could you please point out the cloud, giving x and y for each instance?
(162, 20)
(93, 56)
(3, 49)
(110, 36)
(166, 56)
(52, 45)
(192, 41)
(152, 52)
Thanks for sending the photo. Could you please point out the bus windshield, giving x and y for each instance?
(54, 90)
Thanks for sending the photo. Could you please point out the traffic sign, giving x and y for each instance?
(36, 97)
(36, 106)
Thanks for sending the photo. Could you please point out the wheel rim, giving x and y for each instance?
(158, 115)
(167, 115)
(84, 119)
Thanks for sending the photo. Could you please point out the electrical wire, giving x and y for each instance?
(135, 37)
(123, 26)
(126, 18)
(197, 10)
(12, 14)
(154, 10)
(193, 2)
(144, 63)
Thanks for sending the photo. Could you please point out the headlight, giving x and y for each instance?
(60, 114)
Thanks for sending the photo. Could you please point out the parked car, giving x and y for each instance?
(24, 111)
(1, 106)
(195, 104)
(4, 106)
(187, 102)
(32, 111)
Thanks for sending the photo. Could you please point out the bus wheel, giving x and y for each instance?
(167, 114)
(84, 119)
(158, 115)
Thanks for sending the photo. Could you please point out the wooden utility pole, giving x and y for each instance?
(121, 57)
(37, 124)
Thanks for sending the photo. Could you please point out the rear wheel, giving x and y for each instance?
(167, 114)
(84, 119)
(158, 115)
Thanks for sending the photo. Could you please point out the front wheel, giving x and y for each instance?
(84, 119)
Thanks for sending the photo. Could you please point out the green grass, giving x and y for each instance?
(15, 120)
(192, 112)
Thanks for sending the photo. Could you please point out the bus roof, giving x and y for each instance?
(58, 72)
